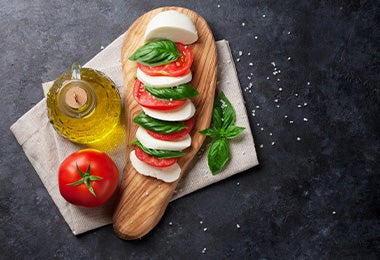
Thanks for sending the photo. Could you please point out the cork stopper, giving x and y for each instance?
(75, 97)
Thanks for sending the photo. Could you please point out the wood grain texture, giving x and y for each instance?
(142, 200)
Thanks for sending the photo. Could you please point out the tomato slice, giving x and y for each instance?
(179, 67)
(176, 135)
(145, 99)
(154, 161)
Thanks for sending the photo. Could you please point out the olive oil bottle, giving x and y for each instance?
(84, 105)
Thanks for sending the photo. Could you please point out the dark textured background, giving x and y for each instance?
(315, 197)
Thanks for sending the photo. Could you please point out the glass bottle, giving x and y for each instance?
(84, 105)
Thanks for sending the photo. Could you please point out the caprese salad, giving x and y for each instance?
(163, 91)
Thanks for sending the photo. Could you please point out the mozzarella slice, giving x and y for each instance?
(167, 174)
(172, 25)
(163, 81)
(180, 114)
(150, 142)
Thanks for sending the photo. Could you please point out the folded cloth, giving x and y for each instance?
(39, 142)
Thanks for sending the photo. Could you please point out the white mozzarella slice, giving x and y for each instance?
(150, 142)
(163, 81)
(180, 114)
(172, 25)
(167, 174)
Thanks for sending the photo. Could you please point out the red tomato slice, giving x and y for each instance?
(179, 67)
(145, 99)
(174, 136)
(154, 161)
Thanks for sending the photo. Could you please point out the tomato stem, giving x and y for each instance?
(87, 178)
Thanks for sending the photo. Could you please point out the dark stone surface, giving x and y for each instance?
(317, 197)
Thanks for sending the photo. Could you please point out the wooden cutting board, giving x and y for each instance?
(142, 200)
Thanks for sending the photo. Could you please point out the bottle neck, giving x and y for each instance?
(76, 98)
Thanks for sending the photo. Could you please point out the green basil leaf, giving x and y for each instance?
(159, 153)
(180, 92)
(232, 131)
(228, 112)
(156, 53)
(213, 133)
(217, 117)
(218, 155)
(156, 125)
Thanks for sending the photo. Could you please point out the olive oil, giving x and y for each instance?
(84, 105)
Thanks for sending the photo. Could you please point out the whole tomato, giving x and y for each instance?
(88, 178)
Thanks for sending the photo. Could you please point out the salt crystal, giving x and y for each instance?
(278, 79)
(240, 53)
(267, 77)
(273, 143)
(237, 60)
(270, 133)
(298, 138)
(250, 64)
(238, 226)
(299, 106)
(261, 145)
(203, 250)
(288, 32)
(277, 106)
(262, 128)
(218, 6)
(249, 54)
(242, 24)
(237, 183)
(286, 116)
(305, 119)
(170, 223)
(296, 94)
(334, 212)
(258, 124)
(256, 37)
(205, 229)
(257, 106)
(289, 58)
(279, 89)
(201, 222)
(308, 83)
(305, 104)
(291, 121)
(274, 64)
(276, 100)
(102, 47)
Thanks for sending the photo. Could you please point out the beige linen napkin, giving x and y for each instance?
(45, 149)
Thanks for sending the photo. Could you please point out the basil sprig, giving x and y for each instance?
(156, 53)
(224, 129)
(180, 92)
(156, 125)
(158, 153)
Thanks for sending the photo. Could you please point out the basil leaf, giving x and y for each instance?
(159, 153)
(156, 125)
(228, 112)
(156, 53)
(218, 155)
(180, 92)
(232, 131)
(213, 133)
(217, 117)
